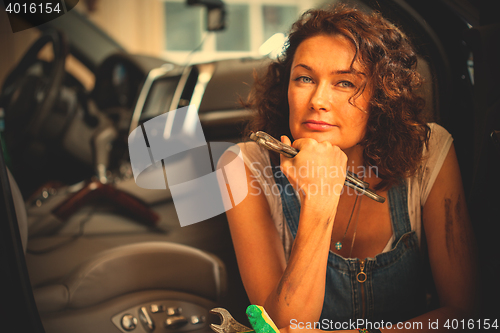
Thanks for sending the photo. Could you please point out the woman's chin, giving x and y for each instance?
(319, 136)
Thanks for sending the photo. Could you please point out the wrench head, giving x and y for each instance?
(228, 323)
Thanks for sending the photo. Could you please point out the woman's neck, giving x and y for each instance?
(356, 164)
(355, 161)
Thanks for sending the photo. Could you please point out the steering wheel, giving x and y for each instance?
(28, 98)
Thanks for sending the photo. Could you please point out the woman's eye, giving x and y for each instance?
(304, 79)
(346, 84)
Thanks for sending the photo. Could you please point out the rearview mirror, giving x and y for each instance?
(216, 13)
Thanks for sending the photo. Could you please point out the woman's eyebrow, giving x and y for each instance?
(348, 71)
(340, 71)
(304, 66)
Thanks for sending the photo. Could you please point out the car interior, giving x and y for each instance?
(88, 250)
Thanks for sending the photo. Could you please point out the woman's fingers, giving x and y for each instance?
(318, 169)
(285, 162)
(285, 140)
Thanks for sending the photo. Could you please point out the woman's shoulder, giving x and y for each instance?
(439, 142)
(438, 133)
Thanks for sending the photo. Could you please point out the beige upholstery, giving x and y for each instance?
(115, 275)
(51, 298)
(133, 268)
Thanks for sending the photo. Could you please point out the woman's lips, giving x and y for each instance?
(318, 125)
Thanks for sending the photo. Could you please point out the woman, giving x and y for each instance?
(343, 94)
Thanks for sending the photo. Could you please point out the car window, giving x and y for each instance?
(172, 30)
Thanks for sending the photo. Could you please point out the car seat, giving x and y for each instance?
(140, 287)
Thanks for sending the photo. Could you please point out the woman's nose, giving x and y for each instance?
(320, 99)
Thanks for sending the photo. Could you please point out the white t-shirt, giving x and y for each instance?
(419, 186)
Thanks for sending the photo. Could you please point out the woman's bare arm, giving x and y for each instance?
(293, 291)
(450, 238)
(451, 247)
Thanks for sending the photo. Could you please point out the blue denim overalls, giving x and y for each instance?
(392, 289)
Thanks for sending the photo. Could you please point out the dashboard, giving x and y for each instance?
(129, 91)
(136, 88)
(214, 89)
(120, 77)
(132, 89)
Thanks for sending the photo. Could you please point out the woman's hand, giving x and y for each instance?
(317, 172)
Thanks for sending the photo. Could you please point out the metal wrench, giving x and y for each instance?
(267, 141)
(228, 323)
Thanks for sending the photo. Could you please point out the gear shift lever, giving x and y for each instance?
(102, 144)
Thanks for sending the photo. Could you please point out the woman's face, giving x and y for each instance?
(321, 85)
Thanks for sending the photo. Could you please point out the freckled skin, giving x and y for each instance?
(321, 88)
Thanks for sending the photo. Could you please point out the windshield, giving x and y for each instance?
(176, 32)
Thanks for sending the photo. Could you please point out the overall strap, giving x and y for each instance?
(398, 207)
(289, 200)
(397, 196)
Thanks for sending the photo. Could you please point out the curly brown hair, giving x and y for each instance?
(396, 133)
